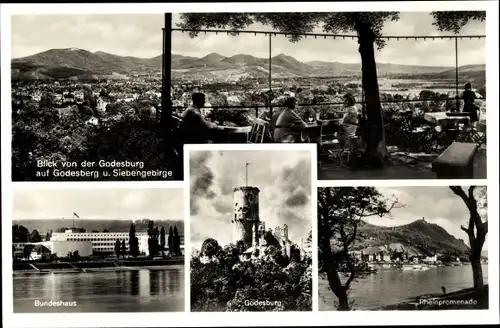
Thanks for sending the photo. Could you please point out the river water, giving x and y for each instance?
(391, 286)
(144, 290)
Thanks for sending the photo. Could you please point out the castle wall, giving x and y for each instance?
(242, 230)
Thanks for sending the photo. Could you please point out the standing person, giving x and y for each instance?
(469, 97)
(288, 125)
(194, 128)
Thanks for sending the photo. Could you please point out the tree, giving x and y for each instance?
(222, 281)
(133, 242)
(477, 228)
(20, 234)
(153, 234)
(340, 213)
(123, 248)
(117, 248)
(162, 240)
(48, 235)
(367, 26)
(105, 231)
(177, 242)
(171, 240)
(35, 237)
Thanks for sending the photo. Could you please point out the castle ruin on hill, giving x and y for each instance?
(248, 227)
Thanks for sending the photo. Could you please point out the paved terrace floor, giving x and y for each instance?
(399, 167)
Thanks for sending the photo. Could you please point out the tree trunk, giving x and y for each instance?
(477, 274)
(333, 276)
(337, 288)
(376, 151)
(475, 261)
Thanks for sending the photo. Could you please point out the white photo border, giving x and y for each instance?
(185, 319)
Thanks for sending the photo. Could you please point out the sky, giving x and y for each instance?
(140, 35)
(137, 35)
(284, 180)
(110, 204)
(437, 205)
(432, 53)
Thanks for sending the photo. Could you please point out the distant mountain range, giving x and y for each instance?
(217, 66)
(44, 226)
(74, 63)
(418, 237)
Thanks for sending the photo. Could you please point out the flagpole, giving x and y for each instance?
(73, 220)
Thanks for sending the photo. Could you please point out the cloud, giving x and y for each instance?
(284, 181)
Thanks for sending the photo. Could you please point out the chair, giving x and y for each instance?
(351, 144)
(328, 142)
(259, 132)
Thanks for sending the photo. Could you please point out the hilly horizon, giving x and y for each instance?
(418, 236)
(117, 225)
(75, 63)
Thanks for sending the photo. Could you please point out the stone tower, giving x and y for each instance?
(246, 214)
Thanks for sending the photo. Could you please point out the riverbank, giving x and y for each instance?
(22, 268)
(465, 299)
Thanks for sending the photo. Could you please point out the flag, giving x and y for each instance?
(76, 215)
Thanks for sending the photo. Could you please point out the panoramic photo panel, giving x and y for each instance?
(87, 98)
(389, 95)
(386, 248)
(251, 230)
(98, 250)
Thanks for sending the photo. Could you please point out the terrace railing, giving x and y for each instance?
(167, 60)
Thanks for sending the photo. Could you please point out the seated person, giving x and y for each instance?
(194, 128)
(350, 120)
(272, 122)
(288, 124)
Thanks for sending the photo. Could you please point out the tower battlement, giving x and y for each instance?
(247, 189)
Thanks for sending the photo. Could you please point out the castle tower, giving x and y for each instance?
(246, 214)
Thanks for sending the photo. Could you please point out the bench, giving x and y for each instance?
(456, 162)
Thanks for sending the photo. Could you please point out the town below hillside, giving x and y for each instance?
(417, 241)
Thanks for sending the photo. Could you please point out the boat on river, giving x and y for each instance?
(415, 267)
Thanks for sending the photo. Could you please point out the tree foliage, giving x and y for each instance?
(40, 131)
(123, 248)
(162, 240)
(454, 21)
(153, 239)
(294, 24)
(177, 242)
(133, 241)
(221, 280)
(170, 240)
(20, 234)
(340, 214)
(35, 237)
(118, 248)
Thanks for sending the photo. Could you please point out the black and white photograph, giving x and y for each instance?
(87, 98)
(98, 250)
(403, 248)
(383, 95)
(251, 230)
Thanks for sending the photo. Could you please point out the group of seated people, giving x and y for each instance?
(285, 126)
